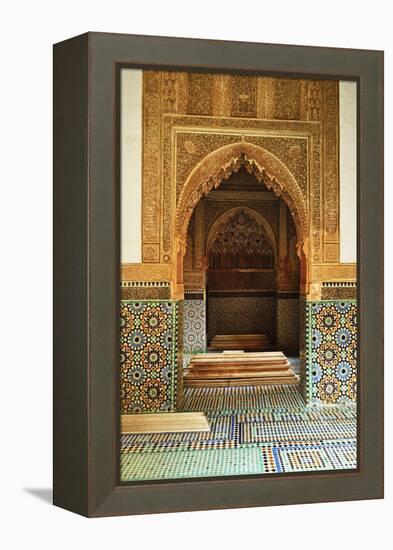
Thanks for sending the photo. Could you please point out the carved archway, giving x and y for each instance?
(219, 166)
(261, 220)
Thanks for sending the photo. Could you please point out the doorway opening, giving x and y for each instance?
(241, 276)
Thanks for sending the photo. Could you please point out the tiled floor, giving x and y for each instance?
(254, 430)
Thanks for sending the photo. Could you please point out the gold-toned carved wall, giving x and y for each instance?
(187, 116)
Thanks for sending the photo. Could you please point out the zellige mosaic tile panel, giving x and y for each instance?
(332, 351)
(194, 332)
(148, 356)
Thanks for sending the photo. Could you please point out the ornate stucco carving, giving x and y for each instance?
(244, 96)
(314, 96)
(238, 223)
(200, 99)
(220, 164)
(330, 131)
(187, 116)
(151, 179)
(286, 99)
(268, 209)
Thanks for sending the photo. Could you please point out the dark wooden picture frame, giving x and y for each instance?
(87, 262)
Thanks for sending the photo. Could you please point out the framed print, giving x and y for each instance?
(218, 310)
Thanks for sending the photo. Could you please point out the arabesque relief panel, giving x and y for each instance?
(186, 116)
(295, 144)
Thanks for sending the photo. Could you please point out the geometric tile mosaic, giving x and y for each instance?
(315, 457)
(332, 351)
(271, 431)
(148, 336)
(232, 400)
(194, 331)
(287, 324)
(240, 315)
(303, 349)
(251, 430)
(188, 464)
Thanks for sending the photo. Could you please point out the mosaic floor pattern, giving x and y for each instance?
(254, 430)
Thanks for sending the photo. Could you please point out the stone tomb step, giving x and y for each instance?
(225, 337)
(156, 423)
(253, 360)
(239, 341)
(247, 338)
(239, 368)
(236, 373)
(240, 358)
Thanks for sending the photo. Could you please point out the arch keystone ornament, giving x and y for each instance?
(219, 166)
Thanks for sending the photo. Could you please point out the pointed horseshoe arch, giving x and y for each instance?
(220, 165)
